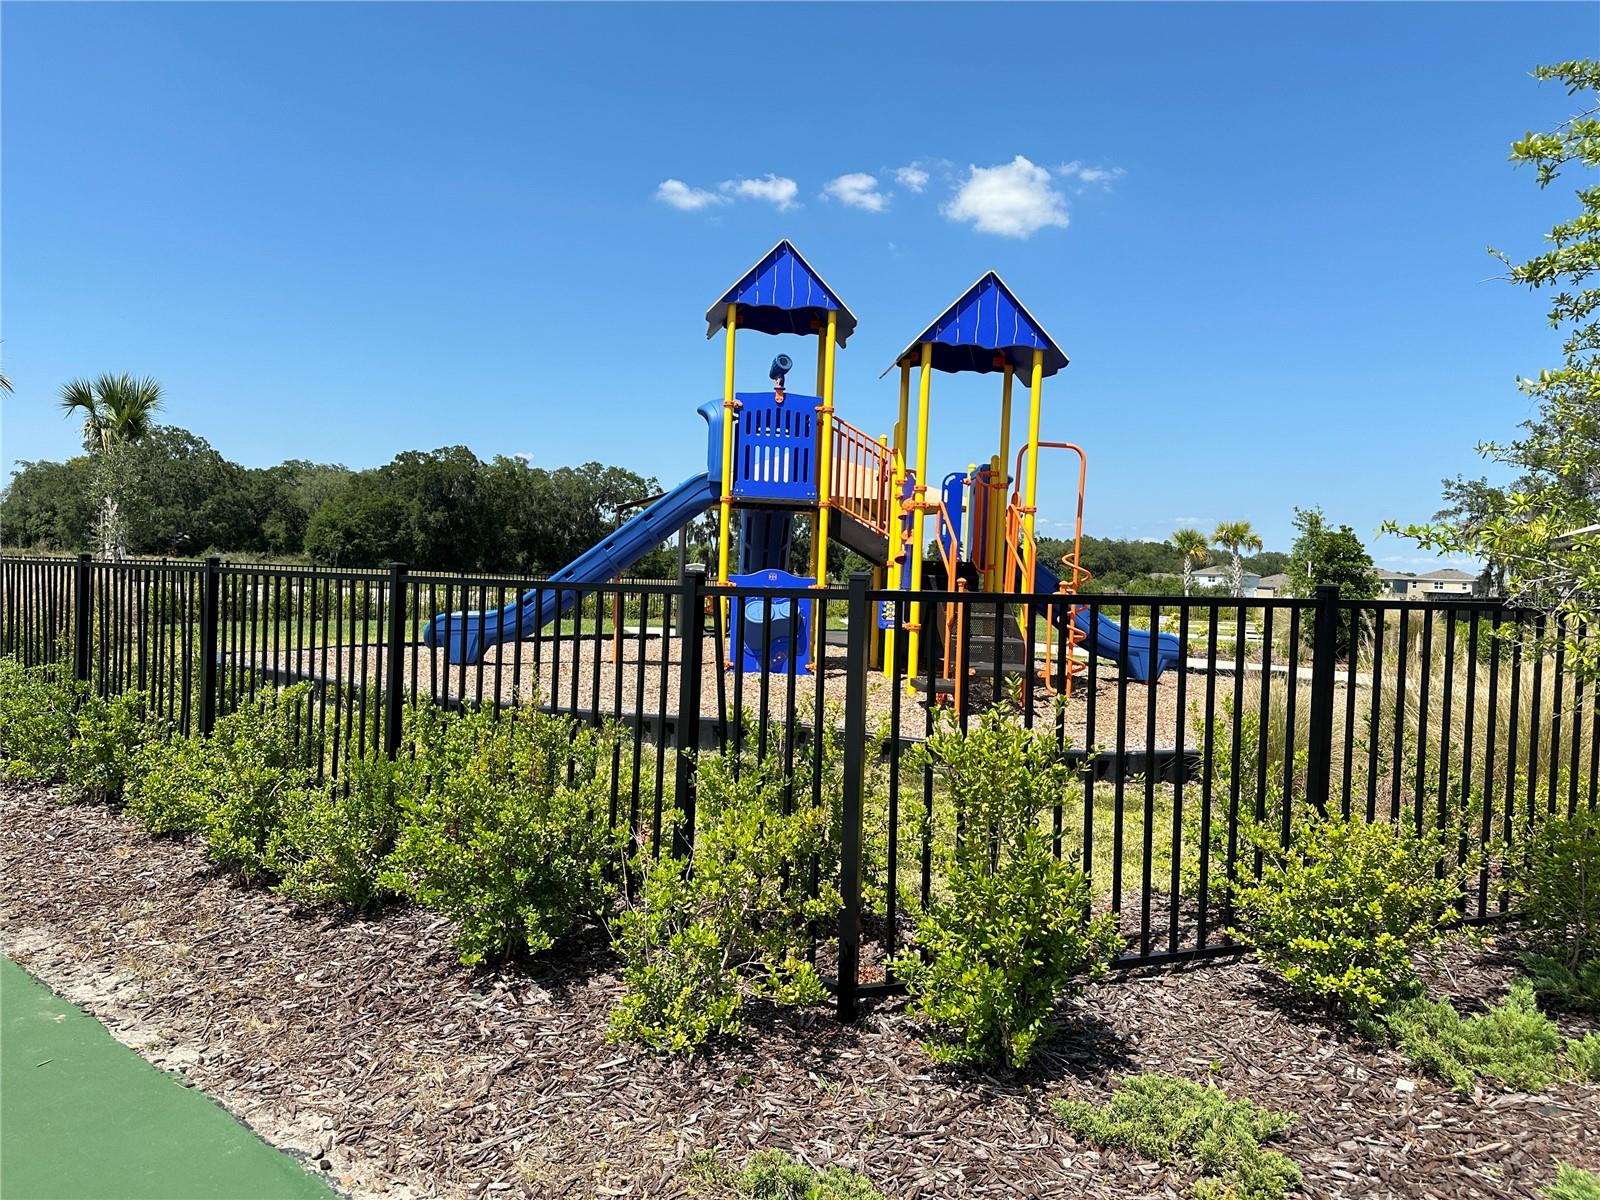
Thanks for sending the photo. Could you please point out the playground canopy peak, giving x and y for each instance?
(982, 331)
(782, 293)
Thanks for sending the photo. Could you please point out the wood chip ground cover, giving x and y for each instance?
(366, 1048)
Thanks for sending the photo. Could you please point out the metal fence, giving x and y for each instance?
(1448, 715)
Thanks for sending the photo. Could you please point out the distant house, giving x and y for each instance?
(1448, 584)
(1221, 575)
(1271, 585)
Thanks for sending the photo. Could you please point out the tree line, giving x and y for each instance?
(444, 509)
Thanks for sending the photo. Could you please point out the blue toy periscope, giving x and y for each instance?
(767, 633)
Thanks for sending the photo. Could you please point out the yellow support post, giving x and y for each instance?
(729, 409)
(822, 358)
(730, 416)
(1030, 495)
(919, 498)
(819, 551)
(998, 563)
(969, 511)
(897, 484)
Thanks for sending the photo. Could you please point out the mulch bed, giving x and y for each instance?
(366, 1048)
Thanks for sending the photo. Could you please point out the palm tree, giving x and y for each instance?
(117, 413)
(1192, 546)
(1236, 537)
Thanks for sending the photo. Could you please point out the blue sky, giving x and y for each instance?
(337, 232)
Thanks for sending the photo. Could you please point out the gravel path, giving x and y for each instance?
(579, 674)
(364, 1047)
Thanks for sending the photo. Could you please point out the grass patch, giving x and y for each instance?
(1562, 988)
(1572, 1184)
(1175, 1120)
(774, 1175)
(1513, 1044)
(1584, 1056)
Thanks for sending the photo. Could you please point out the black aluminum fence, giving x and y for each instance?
(1435, 714)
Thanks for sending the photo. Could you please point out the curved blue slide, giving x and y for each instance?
(1146, 658)
(468, 636)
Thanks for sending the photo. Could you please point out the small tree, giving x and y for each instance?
(1192, 548)
(1236, 537)
(116, 412)
(1322, 554)
(1542, 531)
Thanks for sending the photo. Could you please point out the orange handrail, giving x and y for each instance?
(860, 478)
(1020, 560)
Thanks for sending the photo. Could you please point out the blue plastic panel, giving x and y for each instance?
(764, 633)
(955, 492)
(775, 448)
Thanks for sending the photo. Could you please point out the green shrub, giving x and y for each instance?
(1572, 1184)
(235, 787)
(1584, 1056)
(172, 785)
(734, 916)
(1175, 1120)
(262, 767)
(1014, 935)
(1554, 881)
(1339, 912)
(107, 738)
(506, 832)
(1562, 988)
(774, 1175)
(38, 715)
(335, 845)
(1513, 1043)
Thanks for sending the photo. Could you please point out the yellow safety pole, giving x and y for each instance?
(730, 417)
(998, 557)
(819, 550)
(897, 484)
(1030, 495)
(969, 511)
(997, 501)
(822, 357)
(919, 497)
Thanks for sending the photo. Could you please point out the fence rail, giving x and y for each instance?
(1401, 710)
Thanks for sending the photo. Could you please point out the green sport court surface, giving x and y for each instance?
(82, 1117)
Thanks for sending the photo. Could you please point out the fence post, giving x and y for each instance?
(855, 739)
(691, 605)
(210, 613)
(83, 618)
(394, 691)
(1324, 653)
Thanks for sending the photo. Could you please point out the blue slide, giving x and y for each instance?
(1143, 662)
(468, 636)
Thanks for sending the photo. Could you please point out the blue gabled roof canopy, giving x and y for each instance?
(782, 294)
(982, 331)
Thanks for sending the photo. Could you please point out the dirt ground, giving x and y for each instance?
(582, 675)
(364, 1047)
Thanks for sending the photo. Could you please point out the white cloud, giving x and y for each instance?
(1104, 176)
(912, 178)
(681, 196)
(1015, 199)
(775, 189)
(858, 190)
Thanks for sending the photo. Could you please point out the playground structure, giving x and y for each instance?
(775, 455)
